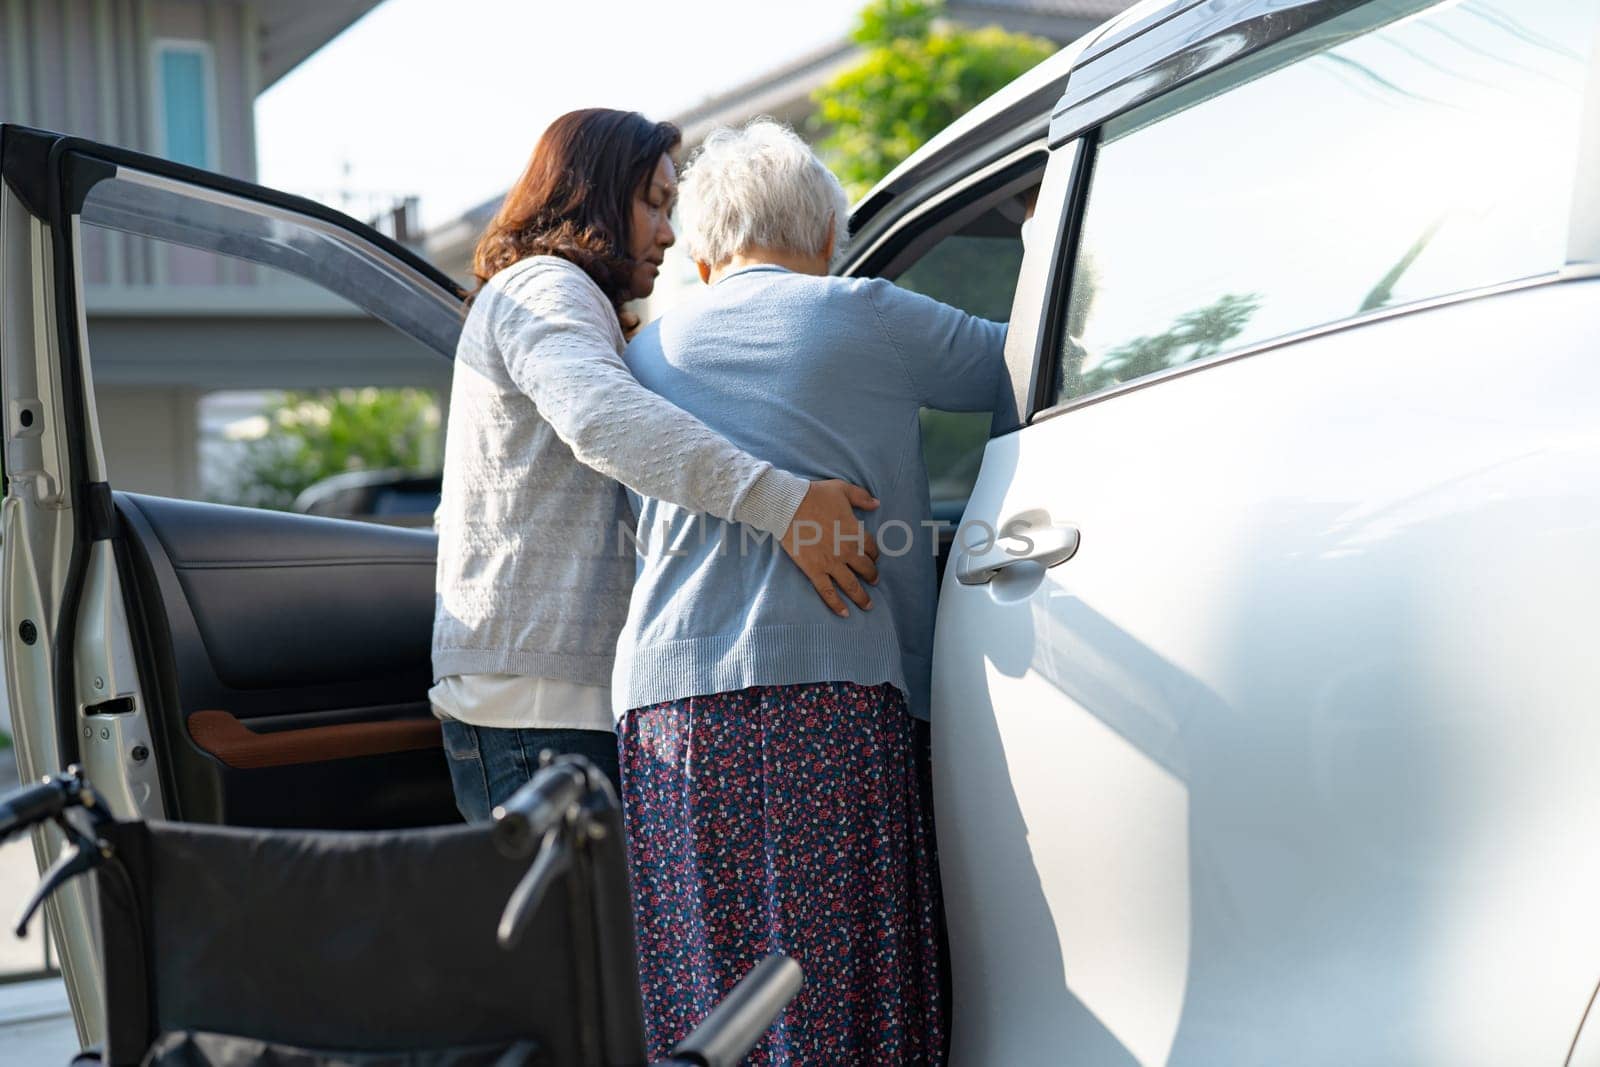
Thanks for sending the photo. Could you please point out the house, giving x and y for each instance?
(173, 336)
(785, 94)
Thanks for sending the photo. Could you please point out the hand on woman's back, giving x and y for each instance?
(831, 547)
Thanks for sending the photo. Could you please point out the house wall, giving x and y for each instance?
(150, 426)
(266, 352)
(150, 434)
(85, 67)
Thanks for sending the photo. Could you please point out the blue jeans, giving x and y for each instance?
(488, 764)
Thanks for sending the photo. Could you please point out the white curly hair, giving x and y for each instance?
(759, 186)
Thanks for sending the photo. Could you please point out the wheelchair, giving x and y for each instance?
(493, 945)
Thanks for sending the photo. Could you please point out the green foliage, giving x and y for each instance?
(1193, 335)
(919, 74)
(305, 437)
(5, 740)
(882, 21)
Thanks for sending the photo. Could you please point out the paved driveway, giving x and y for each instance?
(36, 1024)
(18, 876)
(35, 1021)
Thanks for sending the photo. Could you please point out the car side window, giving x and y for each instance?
(976, 271)
(1400, 152)
(220, 377)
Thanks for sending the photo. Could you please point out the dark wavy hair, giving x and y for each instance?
(575, 198)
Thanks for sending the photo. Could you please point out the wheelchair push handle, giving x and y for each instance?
(23, 808)
(541, 820)
(734, 1026)
(520, 824)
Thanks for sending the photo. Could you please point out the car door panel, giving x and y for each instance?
(298, 653)
(245, 575)
(1292, 761)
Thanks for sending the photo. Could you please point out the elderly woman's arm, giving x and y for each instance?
(562, 355)
(955, 361)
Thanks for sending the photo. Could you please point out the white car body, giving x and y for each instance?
(1292, 761)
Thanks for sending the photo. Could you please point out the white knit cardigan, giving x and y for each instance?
(545, 420)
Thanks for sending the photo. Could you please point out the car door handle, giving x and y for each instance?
(1050, 545)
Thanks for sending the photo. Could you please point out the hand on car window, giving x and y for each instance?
(831, 547)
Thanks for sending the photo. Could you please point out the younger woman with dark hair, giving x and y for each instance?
(545, 421)
(595, 193)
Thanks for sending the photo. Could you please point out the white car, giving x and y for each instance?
(1268, 732)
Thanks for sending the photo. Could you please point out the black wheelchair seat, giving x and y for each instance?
(224, 946)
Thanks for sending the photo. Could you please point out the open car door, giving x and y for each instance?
(201, 662)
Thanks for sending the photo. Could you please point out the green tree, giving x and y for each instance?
(305, 437)
(1196, 334)
(920, 72)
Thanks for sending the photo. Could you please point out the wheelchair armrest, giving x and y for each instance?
(735, 1025)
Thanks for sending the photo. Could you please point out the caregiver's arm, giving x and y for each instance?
(562, 355)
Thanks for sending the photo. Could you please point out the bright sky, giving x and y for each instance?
(445, 100)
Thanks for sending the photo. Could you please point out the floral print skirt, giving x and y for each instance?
(787, 819)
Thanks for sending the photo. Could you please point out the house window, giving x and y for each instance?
(185, 103)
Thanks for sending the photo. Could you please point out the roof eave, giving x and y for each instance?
(289, 31)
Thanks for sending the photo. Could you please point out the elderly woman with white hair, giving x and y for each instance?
(769, 776)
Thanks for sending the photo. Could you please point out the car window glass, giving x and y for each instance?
(246, 358)
(976, 272)
(1407, 151)
(334, 260)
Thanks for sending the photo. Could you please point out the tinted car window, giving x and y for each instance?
(1397, 153)
(978, 274)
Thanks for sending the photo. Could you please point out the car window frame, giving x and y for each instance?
(1583, 234)
(894, 248)
(86, 166)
